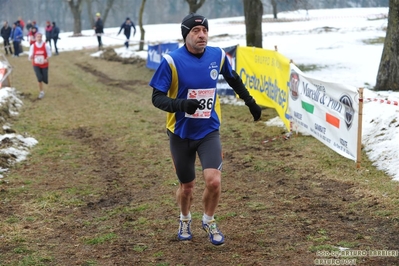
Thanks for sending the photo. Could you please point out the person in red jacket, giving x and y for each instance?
(39, 53)
(49, 28)
(21, 23)
(32, 35)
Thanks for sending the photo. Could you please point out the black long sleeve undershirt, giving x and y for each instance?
(238, 86)
(165, 103)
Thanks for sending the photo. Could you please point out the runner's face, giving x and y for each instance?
(197, 39)
(38, 37)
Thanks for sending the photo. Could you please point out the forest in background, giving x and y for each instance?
(173, 11)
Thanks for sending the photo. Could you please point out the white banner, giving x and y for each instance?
(327, 111)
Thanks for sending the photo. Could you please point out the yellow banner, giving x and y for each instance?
(265, 74)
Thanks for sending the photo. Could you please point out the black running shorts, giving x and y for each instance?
(184, 152)
(41, 74)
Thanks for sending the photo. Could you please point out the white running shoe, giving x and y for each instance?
(184, 232)
(215, 236)
(41, 95)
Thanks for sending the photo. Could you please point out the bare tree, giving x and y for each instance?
(194, 5)
(76, 9)
(253, 12)
(51, 10)
(274, 7)
(142, 31)
(388, 72)
(290, 5)
(108, 7)
(3, 3)
(100, 5)
(90, 12)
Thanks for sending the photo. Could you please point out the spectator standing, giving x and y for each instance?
(35, 25)
(21, 23)
(39, 52)
(55, 36)
(29, 26)
(16, 36)
(6, 34)
(99, 30)
(126, 26)
(32, 35)
(48, 29)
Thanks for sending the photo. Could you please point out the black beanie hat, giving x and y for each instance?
(190, 21)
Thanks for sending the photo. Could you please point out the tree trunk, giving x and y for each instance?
(142, 31)
(253, 11)
(194, 5)
(388, 72)
(89, 12)
(110, 3)
(274, 6)
(76, 9)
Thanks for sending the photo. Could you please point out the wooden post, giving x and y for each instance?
(359, 129)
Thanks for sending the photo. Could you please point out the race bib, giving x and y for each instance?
(39, 59)
(206, 98)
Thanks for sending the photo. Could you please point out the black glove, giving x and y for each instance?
(190, 106)
(255, 109)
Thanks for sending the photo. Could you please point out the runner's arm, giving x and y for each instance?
(238, 86)
(165, 103)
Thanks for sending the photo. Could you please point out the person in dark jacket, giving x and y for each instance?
(54, 35)
(34, 24)
(99, 29)
(6, 34)
(28, 25)
(49, 27)
(126, 26)
(16, 36)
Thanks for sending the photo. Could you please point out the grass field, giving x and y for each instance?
(98, 188)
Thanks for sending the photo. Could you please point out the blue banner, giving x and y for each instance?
(222, 87)
(155, 53)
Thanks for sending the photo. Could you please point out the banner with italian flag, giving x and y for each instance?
(328, 111)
